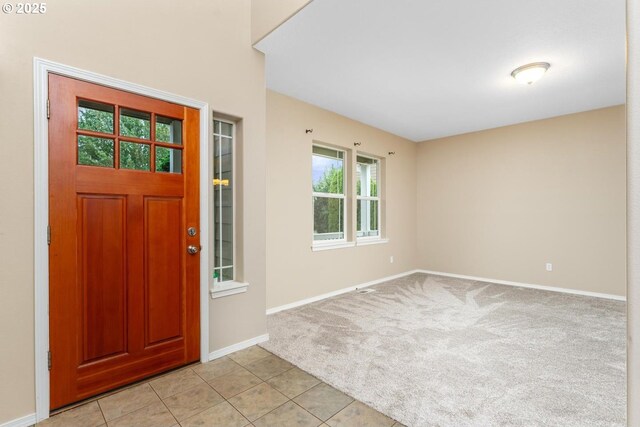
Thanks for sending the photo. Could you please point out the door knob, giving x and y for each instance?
(192, 249)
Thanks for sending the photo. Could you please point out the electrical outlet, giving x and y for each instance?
(391, 259)
(549, 266)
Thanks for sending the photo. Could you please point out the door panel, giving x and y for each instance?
(124, 294)
(101, 244)
(163, 268)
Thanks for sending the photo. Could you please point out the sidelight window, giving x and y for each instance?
(223, 201)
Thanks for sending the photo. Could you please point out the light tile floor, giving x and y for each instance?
(251, 387)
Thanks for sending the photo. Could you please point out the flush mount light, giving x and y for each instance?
(530, 73)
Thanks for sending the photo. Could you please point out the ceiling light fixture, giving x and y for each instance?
(530, 73)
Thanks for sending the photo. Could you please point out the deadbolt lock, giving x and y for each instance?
(191, 231)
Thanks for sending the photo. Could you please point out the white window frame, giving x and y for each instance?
(364, 239)
(331, 243)
(228, 287)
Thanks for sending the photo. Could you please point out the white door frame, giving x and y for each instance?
(41, 70)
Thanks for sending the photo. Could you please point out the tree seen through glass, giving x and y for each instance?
(97, 151)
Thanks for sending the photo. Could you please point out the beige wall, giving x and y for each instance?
(503, 202)
(294, 272)
(266, 15)
(198, 49)
(633, 213)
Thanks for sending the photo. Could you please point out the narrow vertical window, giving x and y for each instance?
(223, 209)
(368, 197)
(328, 194)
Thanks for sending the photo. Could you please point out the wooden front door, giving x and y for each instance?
(123, 193)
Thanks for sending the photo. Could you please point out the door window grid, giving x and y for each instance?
(113, 136)
(223, 210)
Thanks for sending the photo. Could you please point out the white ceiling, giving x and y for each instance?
(424, 69)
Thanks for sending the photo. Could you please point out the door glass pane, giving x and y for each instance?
(95, 151)
(135, 156)
(95, 116)
(328, 218)
(327, 170)
(168, 130)
(136, 124)
(168, 160)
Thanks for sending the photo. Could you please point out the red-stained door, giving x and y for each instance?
(123, 191)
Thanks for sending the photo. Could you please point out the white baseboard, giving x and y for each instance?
(27, 420)
(338, 292)
(527, 285)
(238, 346)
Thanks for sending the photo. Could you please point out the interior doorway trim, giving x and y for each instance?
(41, 69)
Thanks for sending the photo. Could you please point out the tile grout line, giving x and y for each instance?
(104, 418)
(304, 409)
(162, 401)
(222, 358)
(262, 416)
(263, 382)
(148, 383)
(289, 399)
(334, 414)
(230, 373)
(260, 358)
(199, 412)
(185, 390)
(238, 410)
(225, 375)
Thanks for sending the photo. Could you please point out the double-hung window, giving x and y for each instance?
(328, 172)
(368, 197)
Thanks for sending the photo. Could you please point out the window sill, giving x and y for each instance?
(328, 246)
(376, 241)
(226, 289)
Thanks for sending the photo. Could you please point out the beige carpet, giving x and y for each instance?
(434, 351)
